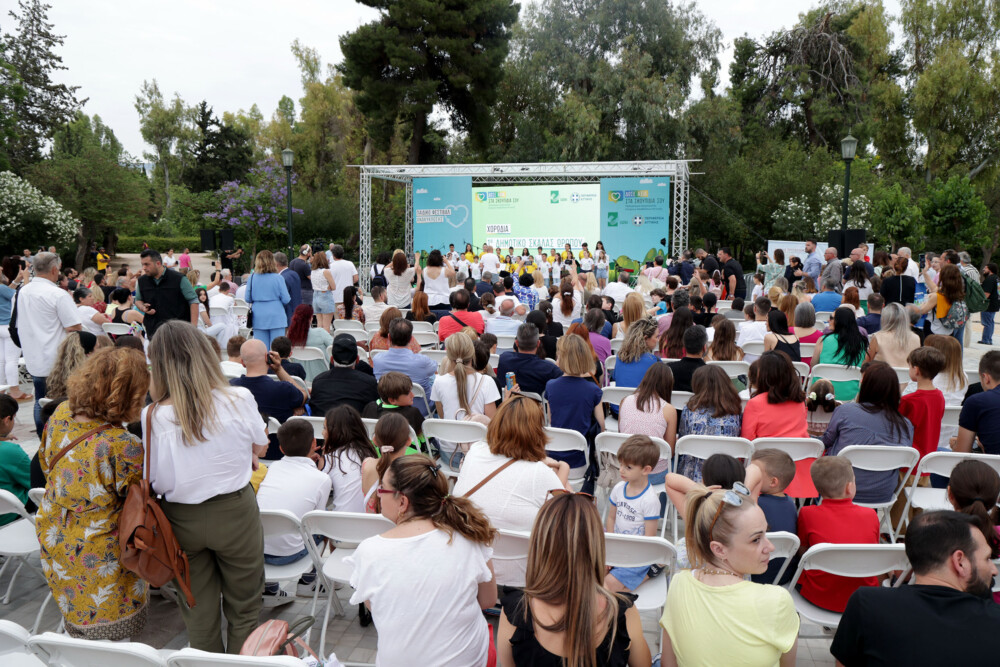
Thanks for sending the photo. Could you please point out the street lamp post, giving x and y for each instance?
(848, 147)
(287, 156)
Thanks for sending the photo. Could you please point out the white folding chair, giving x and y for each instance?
(511, 545)
(307, 355)
(733, 369)
(702, 447)
(881, 458)
(373, 353)
(568, 440)
(609, 364)
(36, 494)
(951, 414)
(733, 315)
(437, 356)
(426, 339)
(505, 342)
(42, 402)
(972, 376)
(297, 381)
(614, 396)
(786, 545)
(679, 399)
(937, 463)
(797, 448)
(845, 560)
(723, 305)
(345, 527)
(317, 424)
(616, 344)
(494, 360)
(639, 550)
(241, 309)
(65, 651)
(420, 393)
(822, 317)
(116, 329)
(215, 311)
(835, 373)
(372, 327)
(14, 651)
(902, 374)
(18, 541)
(754, 347)
(272, 426)
(283, 522)
(609, 443)
(453, 431)
(807, 349)
(192, 657)
(423, 327)
(348, 326)
(802, 368)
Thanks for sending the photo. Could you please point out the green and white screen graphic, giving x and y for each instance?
(529, 216)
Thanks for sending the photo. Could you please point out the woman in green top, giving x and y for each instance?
(845, 345)
(773, 269)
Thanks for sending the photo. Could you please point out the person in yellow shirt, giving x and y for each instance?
(102, 259)
(567, 253)
(469, 252)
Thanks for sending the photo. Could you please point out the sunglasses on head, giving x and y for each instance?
(563, 492)
(735, 497)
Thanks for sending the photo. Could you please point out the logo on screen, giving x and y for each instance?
(637, 220)
(614, 195)
(612, 219)
(480, 196)
(554, 196)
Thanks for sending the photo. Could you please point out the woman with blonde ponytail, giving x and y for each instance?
(565, 616)
(462, 393)
(438, 557)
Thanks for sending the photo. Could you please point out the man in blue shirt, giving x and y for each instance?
(980, 416)
(292, 280)
(417, 367)
(828, 299)
(813, 264)
(531, 371)
(504, 324)
(872, 322)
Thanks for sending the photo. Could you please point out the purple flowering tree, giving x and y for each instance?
(256, 207)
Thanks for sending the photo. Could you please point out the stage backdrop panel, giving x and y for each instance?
(528, 216)
(442, 213)
(635, 215)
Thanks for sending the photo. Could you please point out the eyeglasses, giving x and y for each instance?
(564, 492)
(734, 497)
(383, 492)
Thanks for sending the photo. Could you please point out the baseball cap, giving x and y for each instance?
(345, 349)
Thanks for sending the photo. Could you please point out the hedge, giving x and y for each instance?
(133, 244)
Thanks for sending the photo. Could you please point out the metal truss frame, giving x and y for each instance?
(541, 172)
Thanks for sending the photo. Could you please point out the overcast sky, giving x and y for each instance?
(236, 53)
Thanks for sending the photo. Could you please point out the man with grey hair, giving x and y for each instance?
(833, 269)
(620, 289)
(45, 315)
(531, 372)
(504, 324)
(912, 269)
(485, 285)
(292, 281)
(828, 299)
(967, 267)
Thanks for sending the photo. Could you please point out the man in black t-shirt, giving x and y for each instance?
(732, 275)
(990, 288)
(707, 261)
(946, 617)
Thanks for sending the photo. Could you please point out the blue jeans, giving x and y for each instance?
(39, 384)
(959, 334)
(987, 318)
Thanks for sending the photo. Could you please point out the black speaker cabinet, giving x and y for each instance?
(207, 240)
(227, 240)
(846, 241)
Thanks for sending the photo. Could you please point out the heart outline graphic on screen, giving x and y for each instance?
(454, 208)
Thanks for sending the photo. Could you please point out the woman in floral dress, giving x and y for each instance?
(77, 522)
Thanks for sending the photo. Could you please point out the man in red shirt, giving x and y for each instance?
(925, 406)
(459, 317)
(836, 521)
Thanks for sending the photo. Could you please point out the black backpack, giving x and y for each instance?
(379, 279)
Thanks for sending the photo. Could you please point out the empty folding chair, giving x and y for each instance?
(423, 327)
(786, 545)
(614, 396)
(18, 541)
(511, 545)
(14, 651)
(352, 327)
(191, 657)
(879, 458)
(65, 651)
(845, 560)
(372, 327)
(116, 329)
(345, 527)
(565, 440)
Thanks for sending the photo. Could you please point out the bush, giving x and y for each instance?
(133, 244)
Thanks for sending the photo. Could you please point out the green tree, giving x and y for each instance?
(420, 54)
(41, 105)
(83, 133)
(221, 152)
(893, 218)
(11, 94)
(162, 126)
(955, 213)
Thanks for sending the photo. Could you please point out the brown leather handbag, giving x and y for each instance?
(148, 545)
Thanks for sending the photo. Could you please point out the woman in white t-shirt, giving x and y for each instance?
(437, 557)
(92, 320)
(511, 499)
(204, 440)
(566, 305)
(436, 278)
(460, 392)
(400, 277)
(345, 447)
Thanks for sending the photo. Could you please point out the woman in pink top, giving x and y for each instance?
(648, 412)
(777, 408)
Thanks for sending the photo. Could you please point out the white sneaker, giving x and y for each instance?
(278, 599)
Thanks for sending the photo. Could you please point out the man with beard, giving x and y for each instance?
(946, 617)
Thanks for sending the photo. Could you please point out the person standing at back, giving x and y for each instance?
(736, 286)
(267, 294)
(45, 314)
(300, 265)
(163, 294)
(292, 282)
(344, 273)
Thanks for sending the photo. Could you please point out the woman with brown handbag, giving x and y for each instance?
(90, 460)
(202, 441)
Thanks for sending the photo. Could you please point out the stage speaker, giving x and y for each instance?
(207, 240)
(227, 240)
(845, 241)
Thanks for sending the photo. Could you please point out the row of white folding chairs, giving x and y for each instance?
(348, 326)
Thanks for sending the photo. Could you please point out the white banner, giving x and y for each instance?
(796, 248)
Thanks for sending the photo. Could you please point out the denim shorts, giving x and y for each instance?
(323, 302)
(601, 273)
(630, 577)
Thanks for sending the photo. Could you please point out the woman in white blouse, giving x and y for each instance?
(346, 446)
(204, 438)
(438, 556)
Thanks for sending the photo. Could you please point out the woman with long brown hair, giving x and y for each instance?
(323, 286)
(714, 409)
(267, 293)
(380, 341)
(437, 557)
(420, 312)
(972, 488)
(345, 449)
(723, 346)
(566, 305)
(400, 278)
(672, 340)
(391, 440)
(515, 445)
(565, 615)
(77, 523)
(947, 301)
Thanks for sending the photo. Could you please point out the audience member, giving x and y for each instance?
(695, 348)
(575, 398)
(267, 294)
(343, 383)
(373, 311)
(283, 347)
(990, 289)
(446, 538)
(346, 447)
(872, 322)
(280, 399)
(714, 409)
(980, 416)
(595, 323)
(873, 420)
(400, 279)
(777, 470)
(924, 407)
(70, 355)
(672, 340)
(531, 371)
(635, 356)
(292, 484)
(846, 346)
(15, 466)
(350, 308)
(893, 341)
(905, 625)
(395, 394)
(777, 406)
(649, 412)
(380, 340)
(723, 346)
(460, 316)
(161, 294)
(564, 591)
(344, 274)
(757, 329)
(391, 440)
(779, 337)
(504, 324)
(399, 357)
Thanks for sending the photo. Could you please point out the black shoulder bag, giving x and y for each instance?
(12, 327)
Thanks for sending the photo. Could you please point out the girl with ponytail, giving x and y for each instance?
(973, 489)
(391, 440)
(438, 556)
